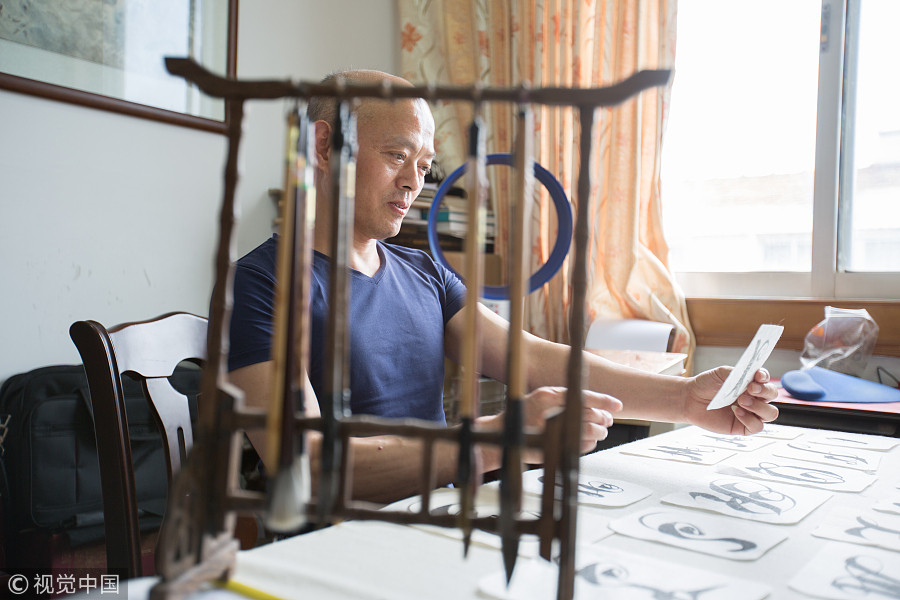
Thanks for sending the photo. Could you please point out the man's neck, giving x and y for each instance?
(362, 255)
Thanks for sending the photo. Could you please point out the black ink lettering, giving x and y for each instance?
(744, 379)
(611, 575)
(734, 441)
(695, 454)
(689, 531)
(869, 530)
(737, 496)
(847, 459)
(798, 473)
(864, 574)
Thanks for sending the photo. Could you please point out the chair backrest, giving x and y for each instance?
(148, 351)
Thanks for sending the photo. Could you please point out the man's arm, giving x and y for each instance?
(388, 468)
(385, 468)
(644, 395)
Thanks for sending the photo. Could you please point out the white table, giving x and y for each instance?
(358, 560)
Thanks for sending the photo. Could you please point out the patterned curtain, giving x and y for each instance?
(576, 43)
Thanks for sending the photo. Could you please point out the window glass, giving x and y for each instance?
(870, 215)
(739, 147)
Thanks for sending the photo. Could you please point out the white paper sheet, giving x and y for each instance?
(696, 454)
(848, 458)
(860, 441)
(747, 365)
(592, 490)
(866, 527)
(701, 532)
(786, 470)
(779, 432)
(694, 436)
(849, 572)
(592, 526)
(618, 575)
(891, 504)
(750, 499)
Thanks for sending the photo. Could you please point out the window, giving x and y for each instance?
(781, 157)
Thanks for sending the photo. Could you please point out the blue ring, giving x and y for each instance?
(563, 218)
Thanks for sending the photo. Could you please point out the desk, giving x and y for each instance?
(376, 560)
(360, 560)
(874, 418)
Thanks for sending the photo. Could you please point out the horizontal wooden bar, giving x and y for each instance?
(221, 87)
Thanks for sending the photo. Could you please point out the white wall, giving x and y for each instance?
(114, 218)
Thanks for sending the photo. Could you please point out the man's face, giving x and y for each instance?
(396, 147)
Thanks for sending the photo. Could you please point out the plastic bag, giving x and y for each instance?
(843, 342)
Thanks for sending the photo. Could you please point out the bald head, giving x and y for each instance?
(325, 109)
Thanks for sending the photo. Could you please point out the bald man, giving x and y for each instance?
(406, 315)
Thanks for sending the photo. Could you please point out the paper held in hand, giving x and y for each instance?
(751, 360)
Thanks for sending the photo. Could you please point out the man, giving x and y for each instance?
(407, 313)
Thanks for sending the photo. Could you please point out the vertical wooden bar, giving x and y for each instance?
(335, 404)
(511, 470)
(289, 489)
(218, 394)
(471, 350)
(574, 403)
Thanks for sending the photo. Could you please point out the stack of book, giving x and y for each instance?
(451, 225)
(418, 212)
(453, 218)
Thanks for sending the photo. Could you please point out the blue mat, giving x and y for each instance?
(823, 385)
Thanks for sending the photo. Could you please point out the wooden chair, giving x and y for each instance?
(148, 351)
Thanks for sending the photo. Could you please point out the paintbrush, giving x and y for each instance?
(511, 467)
(467, 478)
(337, 386)
(290, 488)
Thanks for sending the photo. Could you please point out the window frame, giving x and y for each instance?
(824, 280)
(725, 309)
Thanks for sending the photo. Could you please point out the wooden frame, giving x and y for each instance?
(16, 74)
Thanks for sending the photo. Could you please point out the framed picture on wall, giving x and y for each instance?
(109, 54)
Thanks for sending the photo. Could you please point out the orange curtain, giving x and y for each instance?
(574, 43)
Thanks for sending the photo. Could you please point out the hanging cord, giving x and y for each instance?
(881, 372)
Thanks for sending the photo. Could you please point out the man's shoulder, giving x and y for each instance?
(262, 258)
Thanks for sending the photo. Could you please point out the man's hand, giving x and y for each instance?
(747, 415)
(596, 416)
(542, 403)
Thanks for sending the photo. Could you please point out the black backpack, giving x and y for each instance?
(49, 474)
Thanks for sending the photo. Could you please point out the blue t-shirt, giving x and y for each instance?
(397, 321)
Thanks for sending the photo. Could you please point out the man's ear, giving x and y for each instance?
(323, 144)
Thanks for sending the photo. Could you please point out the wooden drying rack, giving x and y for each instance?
(196, 541)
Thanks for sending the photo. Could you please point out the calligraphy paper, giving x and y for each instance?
(861, 441)
(779, 432)
(701, 532)
(869, 528)
(850, 458)
(592, 490)
(849, 572)
(700, 455)
(591, 525)
(619, 575)
(891, 504)
(747, 365)
(785, 470)
(700, 437)
(750, 499)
